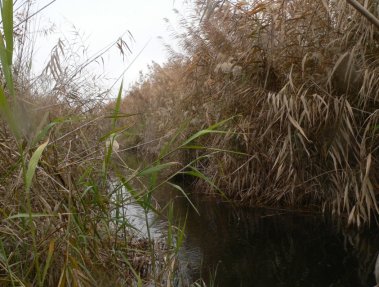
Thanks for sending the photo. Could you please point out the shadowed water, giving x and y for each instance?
(232, 246)
(271, 248)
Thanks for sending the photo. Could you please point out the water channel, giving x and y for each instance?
(243, 247)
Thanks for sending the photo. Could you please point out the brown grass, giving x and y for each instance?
(63, 231)
(303, 78)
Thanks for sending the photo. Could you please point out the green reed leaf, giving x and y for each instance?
(33, 165)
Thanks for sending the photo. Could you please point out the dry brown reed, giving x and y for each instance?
(67, 235)
(303, 78)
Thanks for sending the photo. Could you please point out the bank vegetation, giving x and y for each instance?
(63, 181)
(297, 81)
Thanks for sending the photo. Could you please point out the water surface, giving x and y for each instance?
(234, 246)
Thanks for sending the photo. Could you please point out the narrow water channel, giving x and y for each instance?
(262, 248)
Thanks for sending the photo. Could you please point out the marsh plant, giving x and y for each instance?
(269, 103)
(299, 78)
(64, 179)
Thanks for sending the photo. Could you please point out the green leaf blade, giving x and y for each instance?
(157, 168)
(7, 17)
(33, 165)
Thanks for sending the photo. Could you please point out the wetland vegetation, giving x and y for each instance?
(268, 104)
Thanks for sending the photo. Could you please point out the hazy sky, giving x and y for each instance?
(102, 22)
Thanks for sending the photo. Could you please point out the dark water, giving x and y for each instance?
(269, 248)
(232, 246)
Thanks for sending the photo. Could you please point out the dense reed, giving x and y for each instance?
(62, 182)
(299, 78)
(285, 92)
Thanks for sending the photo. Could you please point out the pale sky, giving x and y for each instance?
(102, 22)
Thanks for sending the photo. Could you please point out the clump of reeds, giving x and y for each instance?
(61, 223)
(301, 77)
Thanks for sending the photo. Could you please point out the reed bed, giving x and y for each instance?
(60, 222)
(299, 80)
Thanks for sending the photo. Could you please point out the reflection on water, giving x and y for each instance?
(126, 207)
(263, 248)
(266, 248)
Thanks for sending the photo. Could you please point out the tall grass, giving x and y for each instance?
(62, 221)
(296, 82)
(303, 78)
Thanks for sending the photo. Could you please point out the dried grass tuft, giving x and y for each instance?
(302, 75)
